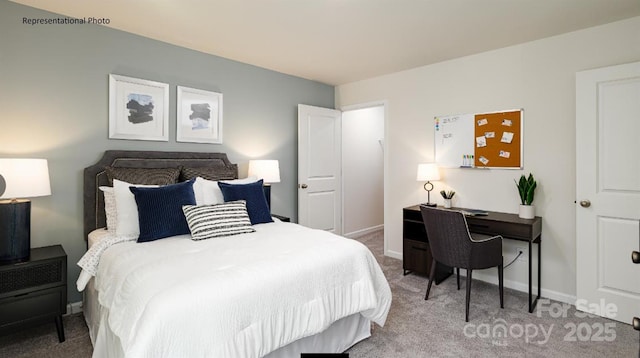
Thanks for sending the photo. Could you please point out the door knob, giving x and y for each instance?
(636, 323)
(635, 257)
(585, 203)
(303, 186)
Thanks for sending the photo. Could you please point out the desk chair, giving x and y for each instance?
(452, 245)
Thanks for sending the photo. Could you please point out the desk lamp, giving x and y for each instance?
(268, 171)
(428, 172)
(19, 178)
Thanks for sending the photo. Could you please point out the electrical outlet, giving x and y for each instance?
(524, 257)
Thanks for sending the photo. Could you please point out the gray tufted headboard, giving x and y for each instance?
(95, 175)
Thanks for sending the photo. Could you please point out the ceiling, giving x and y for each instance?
(342, 41)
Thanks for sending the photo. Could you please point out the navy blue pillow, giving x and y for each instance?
(253, 194)
(160, 210)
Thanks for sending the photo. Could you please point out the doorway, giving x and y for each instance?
(363, 132)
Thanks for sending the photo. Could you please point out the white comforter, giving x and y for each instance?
(239, 296)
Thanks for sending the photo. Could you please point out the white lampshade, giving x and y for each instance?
(24, 178)
(268, 170)
(428, 172)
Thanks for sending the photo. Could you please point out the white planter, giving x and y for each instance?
(447, 203)
(527, 212)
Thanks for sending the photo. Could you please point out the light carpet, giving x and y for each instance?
(419, 328)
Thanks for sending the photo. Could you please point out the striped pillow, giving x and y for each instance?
(210, 221)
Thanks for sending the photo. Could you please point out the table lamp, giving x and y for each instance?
(268, 171)
(19, 179)
(428, 172)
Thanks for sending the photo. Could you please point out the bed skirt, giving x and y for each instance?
(341, 335)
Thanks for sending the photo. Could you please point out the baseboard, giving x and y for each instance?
(75, 307)
(524, 287)
(394, 254)
(359, 233)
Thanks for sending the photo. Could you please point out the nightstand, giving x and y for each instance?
(282, 218)
(34, 291)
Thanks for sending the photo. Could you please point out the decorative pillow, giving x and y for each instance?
(160, 210)
(110, 208)
(208, 192)
(146, 176)
(253, 194)
(126, 209)
(209, 173)
(210, 221)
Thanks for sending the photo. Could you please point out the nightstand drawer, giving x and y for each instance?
(20, 278)
(34, 290)
(32, 306)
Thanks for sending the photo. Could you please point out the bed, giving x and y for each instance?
(277, 292)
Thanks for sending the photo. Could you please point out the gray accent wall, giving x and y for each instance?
(54, 105)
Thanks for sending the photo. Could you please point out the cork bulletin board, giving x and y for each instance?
(481, 140)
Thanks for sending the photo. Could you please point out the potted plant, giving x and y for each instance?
(526, 189)
(447, 195)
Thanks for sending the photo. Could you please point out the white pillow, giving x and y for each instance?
(247, 180)
(207, 192)
(110, 210)
(127, 209)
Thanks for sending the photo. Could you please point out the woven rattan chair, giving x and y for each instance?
(452, 245)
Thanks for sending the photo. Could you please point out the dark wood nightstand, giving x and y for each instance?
(282, 218)
(35, 290)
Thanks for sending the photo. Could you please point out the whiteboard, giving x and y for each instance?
(454, 139)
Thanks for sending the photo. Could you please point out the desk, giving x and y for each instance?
(510, 226)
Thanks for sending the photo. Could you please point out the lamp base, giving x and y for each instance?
(430, 204)
(15, 231)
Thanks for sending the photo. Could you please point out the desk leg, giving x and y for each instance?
(539, 269)
(530, 288)
(534, 302)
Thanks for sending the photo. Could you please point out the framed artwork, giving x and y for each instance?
(199, 117)
(138, 109)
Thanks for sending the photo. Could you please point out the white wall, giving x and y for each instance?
(362, 169)
(538, 76)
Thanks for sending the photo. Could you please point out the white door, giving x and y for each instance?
(608, 190)
(319, 163)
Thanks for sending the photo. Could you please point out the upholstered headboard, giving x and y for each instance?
(95, 175)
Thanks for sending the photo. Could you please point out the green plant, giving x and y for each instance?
(526, 188)
(447, 194)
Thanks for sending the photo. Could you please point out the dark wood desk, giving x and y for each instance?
(509, 226)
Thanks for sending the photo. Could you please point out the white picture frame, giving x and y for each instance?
(199, 116)
(138, 109)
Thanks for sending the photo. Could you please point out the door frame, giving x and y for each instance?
(385, 154)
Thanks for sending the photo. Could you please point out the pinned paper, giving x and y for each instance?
(481, 141)
(507, 137)
(482, 122)
(506, 122)
(505, 154)
(483, 160)
(490, 134)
